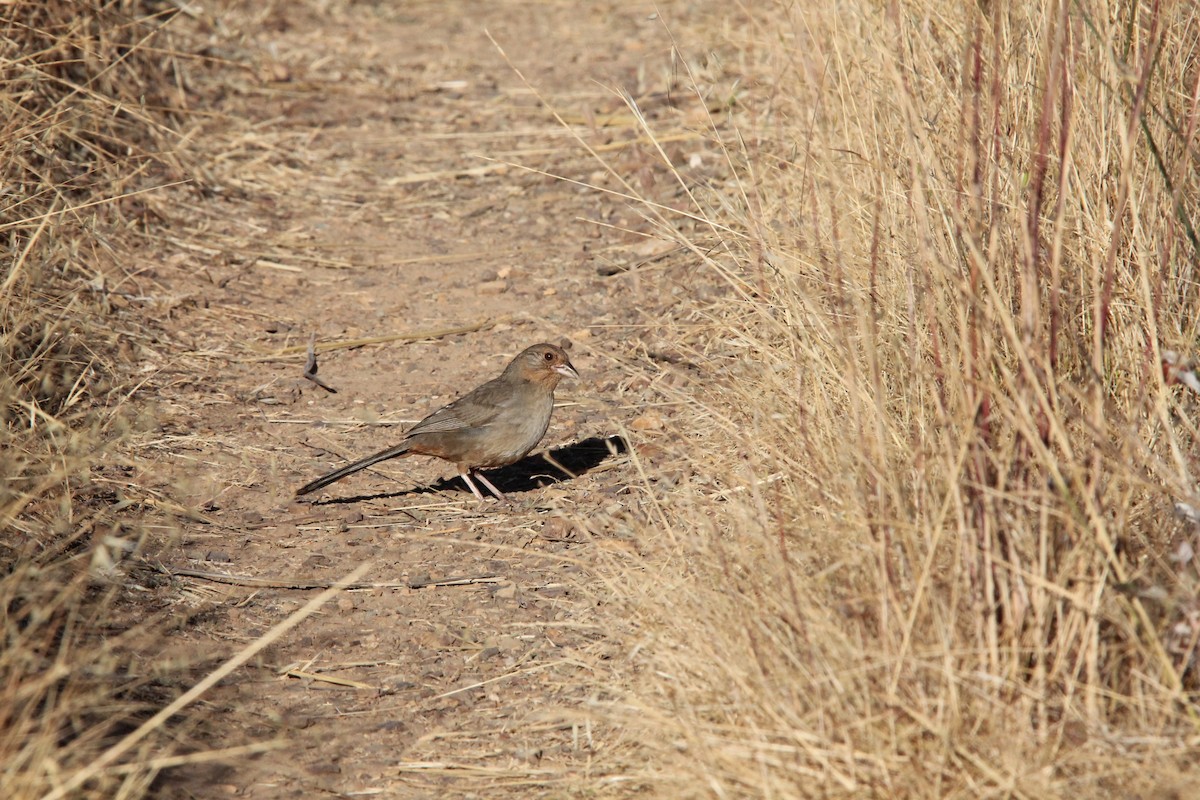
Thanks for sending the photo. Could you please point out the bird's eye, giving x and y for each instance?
(549, 356)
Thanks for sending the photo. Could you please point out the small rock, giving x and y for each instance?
(324, 768)
(650, 452)
(654, 247)
(492, 287)
(346, 603)
(393, 725)
(637, 384)
(397, 683)
(358, 537)
(316, 561)
(217, 556)
(557, 528)
(650, 421)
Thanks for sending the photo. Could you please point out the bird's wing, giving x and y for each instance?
(473, 410)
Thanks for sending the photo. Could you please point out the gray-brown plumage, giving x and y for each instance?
(494, 425)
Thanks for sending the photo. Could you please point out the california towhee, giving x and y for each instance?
(494, 425)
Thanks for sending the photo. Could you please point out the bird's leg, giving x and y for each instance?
(499, 494)
(466, 476)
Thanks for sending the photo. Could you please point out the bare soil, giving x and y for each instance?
(351, 202)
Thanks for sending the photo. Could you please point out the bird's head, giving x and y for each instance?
(542, 363)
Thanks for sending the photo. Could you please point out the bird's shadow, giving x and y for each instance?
(531, 472)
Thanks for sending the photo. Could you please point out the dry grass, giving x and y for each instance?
(933, 551)
(930, 545)
(88, 90)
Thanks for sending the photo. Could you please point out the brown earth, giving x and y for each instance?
(349, 201)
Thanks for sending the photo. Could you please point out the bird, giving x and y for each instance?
(493, 425)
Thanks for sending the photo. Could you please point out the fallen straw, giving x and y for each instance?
(120, 748)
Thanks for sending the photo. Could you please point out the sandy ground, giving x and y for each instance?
(352, 203)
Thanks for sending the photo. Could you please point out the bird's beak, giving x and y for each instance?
(567, 370)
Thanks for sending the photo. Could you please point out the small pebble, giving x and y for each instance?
(650, 421)
(493, 287)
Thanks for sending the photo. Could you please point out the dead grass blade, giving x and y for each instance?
(276, 583)
(191, 695)
(415, 336)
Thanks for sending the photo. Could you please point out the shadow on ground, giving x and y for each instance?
(531, 472)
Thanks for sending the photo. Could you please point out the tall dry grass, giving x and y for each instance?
(89, 92)
(934, 549)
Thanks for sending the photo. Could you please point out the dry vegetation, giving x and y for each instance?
(934, 535)
(88, 91)
(942, 555)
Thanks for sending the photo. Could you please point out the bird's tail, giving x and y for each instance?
(350, 469)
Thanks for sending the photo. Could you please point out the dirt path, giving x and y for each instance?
(351, 205)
